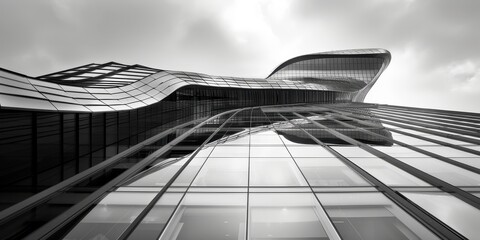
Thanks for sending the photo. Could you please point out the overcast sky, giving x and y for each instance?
(434, 43)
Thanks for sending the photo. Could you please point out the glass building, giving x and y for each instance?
(113, 151)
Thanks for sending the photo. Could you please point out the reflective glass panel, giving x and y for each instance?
(457, 214)
(371, 216)
(329, 172)
(111, 216)
(154, 222)
(223, 172)
(229, 151)
(187, 175)
(209, 216)
(387, 173)
(157, 176)
(269, 152)
(275, 172)
(309, 151)
(288, 216)
(445, 171)
(263, 138)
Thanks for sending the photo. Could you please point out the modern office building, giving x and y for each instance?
(113, 151)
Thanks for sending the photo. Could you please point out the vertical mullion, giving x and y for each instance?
(62, 157)
(34, 163)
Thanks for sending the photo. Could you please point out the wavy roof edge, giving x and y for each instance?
(365, 52)
(18, 91)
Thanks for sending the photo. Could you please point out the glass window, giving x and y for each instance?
(387, 173)
(398, 151)
(380, 169)
(275, 172)
(288, 216)
(448, 152)
(454, 212)
(265, 138)
(154, 222)
(447, 172)
(230, 151)
(269, 152)
(329, 172)
(410, 140)
(111, 216)
(309, 151)
(223, 172)
(157, 176)
(474, 162)
(189, 172)
(371, 216)
(352, 152)
(237, 140)
(209, 216)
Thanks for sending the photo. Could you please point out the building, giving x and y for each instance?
(110, 151)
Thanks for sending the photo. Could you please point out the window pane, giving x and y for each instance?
(111, 216)
(265, 138)
(387, 173)
(187, 175)
(329, 172)
(269, 152)
(287, 216)
(451, 210)
(309, 151)
(275, 172)
(209, 216)
(447, 172)
(157, 176)
(371, 216)
(154, 222)
(223, 172)
(230, 151)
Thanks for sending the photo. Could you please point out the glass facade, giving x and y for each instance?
(291, 156)
(255, 183)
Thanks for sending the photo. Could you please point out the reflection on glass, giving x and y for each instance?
(288, 216)
(387, 173)
(371, 216)
(448, 151)
(269, 152)
(223, 172)
(154, 222)
(208, 216)
(447, 172)
(187, 175)
(352, 152)
(309, 151)
(411, 140)
(229, 151)
(157, 176)
(275, 172)
(111, 216)
(329, 172)
(454, 212)
(398, 151)
(474, 162)
(262, 138)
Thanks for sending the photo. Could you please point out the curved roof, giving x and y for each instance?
(350, 53)
(115, 87)
(359, 67)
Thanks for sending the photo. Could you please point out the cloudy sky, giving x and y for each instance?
(434, 43)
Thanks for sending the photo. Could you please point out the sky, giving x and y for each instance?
(434, 43)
